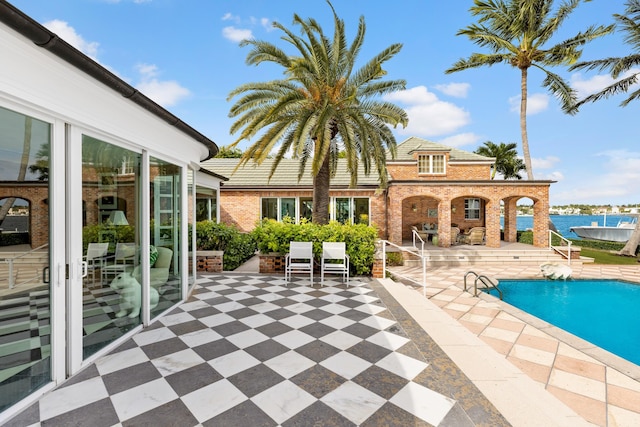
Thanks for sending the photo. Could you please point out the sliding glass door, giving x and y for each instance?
(25, 266)
(111, 290)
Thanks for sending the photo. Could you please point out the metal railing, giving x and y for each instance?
(423, 258)
(556, 248)
(414, 235)
(12, 273)
(485, 280)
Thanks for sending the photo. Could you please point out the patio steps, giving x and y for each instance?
(26, 269)
(468, 256)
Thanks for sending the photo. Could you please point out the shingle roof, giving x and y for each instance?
(406, 149)
(286, 175)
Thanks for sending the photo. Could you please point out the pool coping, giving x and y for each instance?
(598, 353)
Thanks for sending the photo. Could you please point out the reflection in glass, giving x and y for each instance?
(110, 194)
(342, 210)
(165, 234)
(25, 324)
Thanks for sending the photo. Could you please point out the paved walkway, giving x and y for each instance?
(601, 387)
(248, 350)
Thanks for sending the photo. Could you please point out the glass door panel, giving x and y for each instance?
(25, 293)
(111, 291)
(164, 256)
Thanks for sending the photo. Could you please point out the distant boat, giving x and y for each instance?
(619, 233)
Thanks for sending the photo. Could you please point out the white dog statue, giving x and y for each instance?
(131, 295)
(556, 271)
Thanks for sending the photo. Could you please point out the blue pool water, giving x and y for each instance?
(603, 312)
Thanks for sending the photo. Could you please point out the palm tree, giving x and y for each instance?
(515, 32)
(630, 24)
(24, 160)
(322, 106)
(618, 66)
(506, 158)
(512, 168)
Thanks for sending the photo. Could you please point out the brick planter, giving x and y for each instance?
(209, 261)
(272, 263)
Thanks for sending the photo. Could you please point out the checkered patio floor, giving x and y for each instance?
(248, 350)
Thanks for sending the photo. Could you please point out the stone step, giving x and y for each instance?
(487, 257)
(27, 268)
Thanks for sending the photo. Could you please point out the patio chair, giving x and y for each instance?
(159, 271)
(122, 261)
(455, 232)
(94, 259)
(475, 236)
(299, 260)
(334, 261)
(423, 235)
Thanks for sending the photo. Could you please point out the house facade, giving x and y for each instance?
(430, 186)
(90, 168)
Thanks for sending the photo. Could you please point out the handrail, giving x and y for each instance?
(483, 279)
(415, 234)
(10, 261)
(568, 254)
(423, 258)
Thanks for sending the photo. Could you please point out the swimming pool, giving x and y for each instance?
(603, 312)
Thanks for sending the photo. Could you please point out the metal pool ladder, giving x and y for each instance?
(486, 281)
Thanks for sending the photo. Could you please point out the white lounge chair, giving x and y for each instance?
(334, 261)
(122, 261)
(94, 259)
(299, 260)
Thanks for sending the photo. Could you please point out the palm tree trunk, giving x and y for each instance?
(523, 123)
(24, 161)
(632, 244)
(321, 193)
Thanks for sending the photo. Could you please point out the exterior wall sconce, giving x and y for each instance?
(414, 207)
(453, 209)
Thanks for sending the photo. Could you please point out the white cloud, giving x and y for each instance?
(69, 34)
(548, 162)
(536, 103)
(428, 116)
(230, 17)
(236, 34)
(266, 24)
(618, 169)
(460, 139)
(458, 90)
(586, 87)
(165, 93)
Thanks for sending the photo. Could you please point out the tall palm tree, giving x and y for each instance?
(322, 106)
(630, 24)
(515, 32)
(506, 158)
(618, 66)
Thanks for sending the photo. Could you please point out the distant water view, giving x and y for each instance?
(564, 222)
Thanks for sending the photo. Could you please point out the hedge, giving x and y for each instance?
(273, 236)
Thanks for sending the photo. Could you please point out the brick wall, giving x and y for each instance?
(445, 195)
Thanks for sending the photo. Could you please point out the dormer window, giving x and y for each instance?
(431, 164)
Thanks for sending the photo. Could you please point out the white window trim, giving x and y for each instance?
(430, 171)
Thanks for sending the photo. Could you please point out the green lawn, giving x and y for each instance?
(606, 257)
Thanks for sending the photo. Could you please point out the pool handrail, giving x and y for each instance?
(485, 280)
(557, 248)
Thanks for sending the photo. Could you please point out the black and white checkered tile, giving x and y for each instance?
(252, 351)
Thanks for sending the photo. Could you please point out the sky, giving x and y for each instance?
(186, 56)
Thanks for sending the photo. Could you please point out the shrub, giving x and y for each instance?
(238, 247)
(107, 233)
(272, 236)
(394, 259)
(10, 239)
